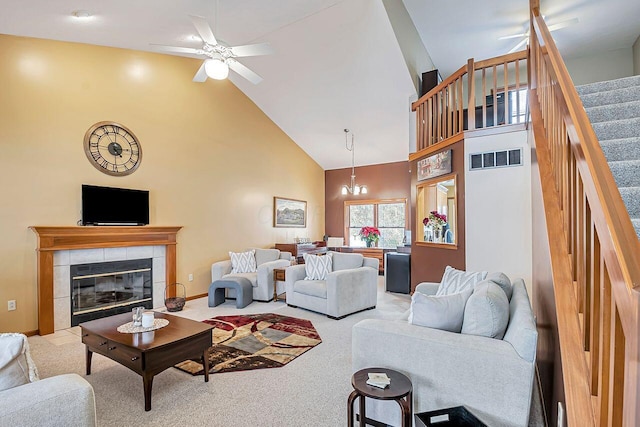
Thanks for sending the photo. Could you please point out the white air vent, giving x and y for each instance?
(495, 159)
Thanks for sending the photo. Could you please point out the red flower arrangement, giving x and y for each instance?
(369, 235)
(435, 219)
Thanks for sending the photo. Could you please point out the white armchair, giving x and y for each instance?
(63, 400)
(262, 279)
(350, 287)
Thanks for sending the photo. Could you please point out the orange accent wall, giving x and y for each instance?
(385, 181)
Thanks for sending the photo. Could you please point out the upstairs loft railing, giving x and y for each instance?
(496, 90)
(596, 263)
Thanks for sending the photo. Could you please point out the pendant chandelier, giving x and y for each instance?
(352, 188)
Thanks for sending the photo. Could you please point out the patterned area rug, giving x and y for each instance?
(254, 341)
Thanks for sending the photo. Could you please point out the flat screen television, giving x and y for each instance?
(114, 206)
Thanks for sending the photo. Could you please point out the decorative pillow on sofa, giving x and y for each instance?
(444, 312)
(455, 281)
(317, 266)
(16, 366)
(487, 311)
(503, 281)
(243, 262)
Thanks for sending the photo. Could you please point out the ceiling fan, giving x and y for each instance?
(219, 58)
(525, 35)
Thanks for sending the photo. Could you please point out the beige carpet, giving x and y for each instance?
(311, 390)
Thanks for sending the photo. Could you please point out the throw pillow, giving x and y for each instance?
(487, 311)
(444, 312)
(455, 281)
(317, 266)
(503, 281)
(243, 262)
(16, 366)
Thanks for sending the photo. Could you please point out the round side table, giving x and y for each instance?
(400, 390)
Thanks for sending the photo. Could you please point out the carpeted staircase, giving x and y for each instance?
(614, 109)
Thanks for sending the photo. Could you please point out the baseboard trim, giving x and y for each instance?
(192, 297)
(32, 333)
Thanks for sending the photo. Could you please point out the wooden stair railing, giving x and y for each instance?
(442, 113)
(596, 262)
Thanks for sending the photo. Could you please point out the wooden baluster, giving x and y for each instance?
(461, 106)
(429, 122)
(495, 96)
(507, 112)
(484, 98)
(595, 283)
(617, 377)
(605, 349)
(518, 112)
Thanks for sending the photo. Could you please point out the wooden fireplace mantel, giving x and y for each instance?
(51, 239)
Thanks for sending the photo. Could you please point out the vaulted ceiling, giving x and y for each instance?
(337, 63)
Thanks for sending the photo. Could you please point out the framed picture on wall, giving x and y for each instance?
(436, 165)
(289, 212)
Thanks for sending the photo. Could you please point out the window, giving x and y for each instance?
(518, 105)
(389, 216)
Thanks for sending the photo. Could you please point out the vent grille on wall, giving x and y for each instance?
(496, 159)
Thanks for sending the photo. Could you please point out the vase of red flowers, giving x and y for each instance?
(433, 225)
(370, 235)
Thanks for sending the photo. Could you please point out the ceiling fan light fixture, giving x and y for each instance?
(216, 69)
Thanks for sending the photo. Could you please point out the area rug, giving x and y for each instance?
(254, 341)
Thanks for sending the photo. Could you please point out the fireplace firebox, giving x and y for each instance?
(107, 288)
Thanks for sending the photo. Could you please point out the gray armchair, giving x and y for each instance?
(262, 279)
(350, 287)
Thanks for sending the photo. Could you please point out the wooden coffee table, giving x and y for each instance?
(148, 353)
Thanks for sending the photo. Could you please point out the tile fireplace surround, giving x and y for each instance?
(59, 247)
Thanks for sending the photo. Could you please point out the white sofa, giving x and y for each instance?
(60, 401)
(493, 378)
(351, 286)
(262, 279)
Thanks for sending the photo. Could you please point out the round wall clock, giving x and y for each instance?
(112, 148)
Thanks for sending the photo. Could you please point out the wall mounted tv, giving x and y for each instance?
(114, 206)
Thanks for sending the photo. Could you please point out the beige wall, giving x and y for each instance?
(636, 57)
(212, 160)
(601, 66)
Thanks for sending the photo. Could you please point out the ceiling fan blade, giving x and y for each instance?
(244, 71)
(563, 24)
(519, 45)
(514, 36)
(176, 49)
(201, 74)
(252, 50)
(203, 28)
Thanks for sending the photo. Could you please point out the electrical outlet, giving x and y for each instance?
(11, 305)
(191, 277)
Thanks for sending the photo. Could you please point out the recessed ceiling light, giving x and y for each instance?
(81, 14)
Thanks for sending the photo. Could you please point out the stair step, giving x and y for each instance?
(621, 149)
(631, 198)
(626, 173)
(615, 96)
(636, 225)
(605, 113)
(617, 129)
(608, 85)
